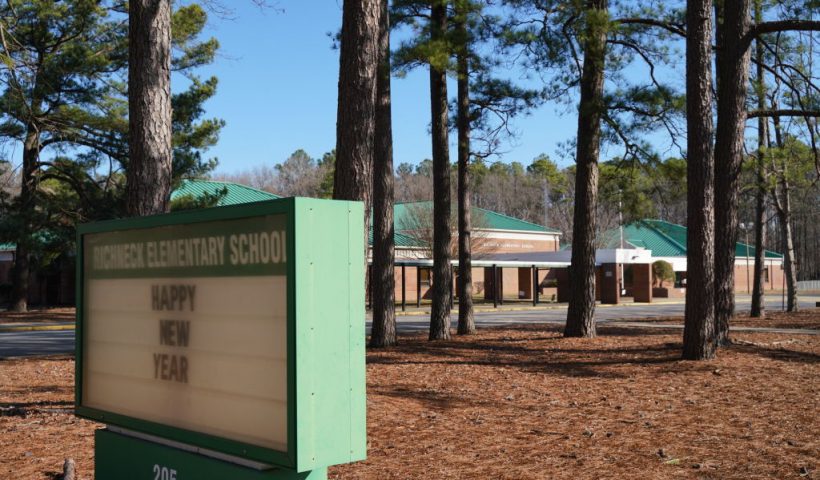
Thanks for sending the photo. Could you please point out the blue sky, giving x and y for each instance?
(278, 87)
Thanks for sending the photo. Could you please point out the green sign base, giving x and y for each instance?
(120, 457)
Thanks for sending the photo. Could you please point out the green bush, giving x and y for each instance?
(661, 272)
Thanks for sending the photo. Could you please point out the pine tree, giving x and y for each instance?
(60, 94)
(383, 333)
(356, 114)
(466, 320)
(735, 34)
(442, 236)
(580, 44)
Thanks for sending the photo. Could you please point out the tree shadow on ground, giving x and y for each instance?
(56, 389)
(552, 359)
(778, 353)
(430, 398)
(24, 409)
(38, 404)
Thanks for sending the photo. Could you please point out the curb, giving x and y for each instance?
(414, 313)
(35, 328)
(539, 308)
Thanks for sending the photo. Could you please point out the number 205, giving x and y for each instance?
(164, 473)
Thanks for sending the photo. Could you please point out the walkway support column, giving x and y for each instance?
(370, 287)
(495, 286)
(562, 279)
(642, 282)
(534, 285)
(418, 286)
(610, 283)
(403, 290)
(452, 287)
(500, 287)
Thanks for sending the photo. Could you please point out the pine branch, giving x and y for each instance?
(783, 113)
(670, 27)
(775, 27)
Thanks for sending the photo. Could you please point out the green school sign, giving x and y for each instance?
(230, 333)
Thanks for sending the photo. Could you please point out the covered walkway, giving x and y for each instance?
(526, 280)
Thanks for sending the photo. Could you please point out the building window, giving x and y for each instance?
(766, 275)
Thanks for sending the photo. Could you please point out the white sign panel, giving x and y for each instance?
(187, 326)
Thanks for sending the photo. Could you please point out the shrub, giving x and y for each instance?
(661, 272)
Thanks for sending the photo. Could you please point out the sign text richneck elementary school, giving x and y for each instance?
(236, 249)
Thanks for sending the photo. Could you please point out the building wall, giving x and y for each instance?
(513, 281)
(411, 283)
(744, 278)
(503, 242)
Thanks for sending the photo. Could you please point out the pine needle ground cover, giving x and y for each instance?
(521, 403)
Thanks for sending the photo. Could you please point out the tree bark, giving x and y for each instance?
(581, 311)
(355, 119)
(21, 272)
(733, 77)
(383, 333)
(758, 309)
(466, 320)
(442, 271)
(148, 176)
(699, 317)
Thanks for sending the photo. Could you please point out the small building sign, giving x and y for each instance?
(239, 330)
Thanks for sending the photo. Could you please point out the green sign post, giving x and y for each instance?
(224, 343)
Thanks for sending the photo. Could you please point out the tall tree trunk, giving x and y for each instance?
(148, 176)
(781, 195)
(466, 320)
(581, 311)
(356, 114)
(442, 271)
(733, 78)
(28, 190)
(699, 317)
(758, 309)
(788, 256)
(383, 333)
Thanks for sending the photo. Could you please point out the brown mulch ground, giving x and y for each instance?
(44, 315)
(521, 403)
(805, 319)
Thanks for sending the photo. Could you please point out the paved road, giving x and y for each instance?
(603, 314)
(14, 344)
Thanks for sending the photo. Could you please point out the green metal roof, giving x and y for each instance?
(482, 219)
(664, 239)
(5, 247)
(400, 239)
(236, 193)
